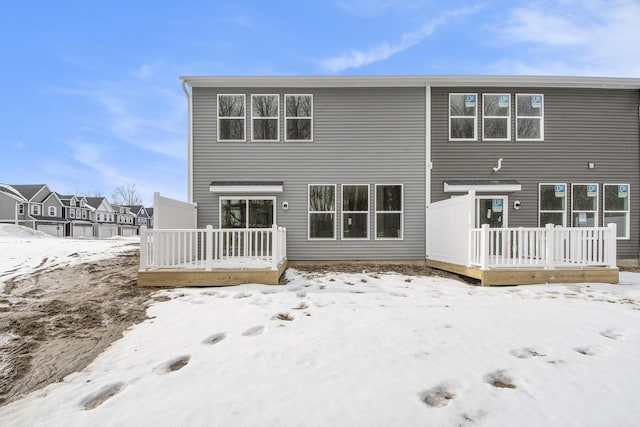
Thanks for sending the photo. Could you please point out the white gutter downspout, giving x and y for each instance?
(189, 142)
(428, 165)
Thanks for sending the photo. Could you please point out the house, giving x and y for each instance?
(149, 212)
(104, 216)
(141, 215)
(371, 168)
(34, 206)
(125, 220)
(77, 213)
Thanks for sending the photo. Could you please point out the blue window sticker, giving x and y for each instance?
(469, 101)
(536, 101)
(623, 190)
(560, 190)
(592, 190)
(503, 101)
(496, 205)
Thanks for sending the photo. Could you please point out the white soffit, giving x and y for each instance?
(481, 186)
(246, 187)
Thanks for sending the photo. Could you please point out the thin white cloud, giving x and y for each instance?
(143, 72)
(377, 7)
(19, 145)
(595, 37)
(358, 58)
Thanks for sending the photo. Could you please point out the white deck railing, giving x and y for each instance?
(211, 248)
(547, 247)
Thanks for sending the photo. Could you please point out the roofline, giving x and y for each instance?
(414, 81)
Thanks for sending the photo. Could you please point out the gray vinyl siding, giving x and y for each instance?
(7, 208)
(360, 136)
(580, 126)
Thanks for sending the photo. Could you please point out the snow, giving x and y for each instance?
(361, 349)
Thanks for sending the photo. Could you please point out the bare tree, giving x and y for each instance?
(89, 193)
(126, 194)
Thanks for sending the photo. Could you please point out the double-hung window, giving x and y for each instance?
(552, 204)
(298, 117)
(463, 116)
(231, 117)
(322, 211)
(389, 211)
(84, 214)
(355, 211)
(529, 117)
(496, 117)
(584, 205)
(616, 208)
(35, 209)
(21, 209)
(265, 117)
(53, 211)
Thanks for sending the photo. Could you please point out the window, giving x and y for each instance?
(72, 213)
(265, 117)
(247, 212)
(584, 205)
(496, 117)
(231, 117)
(35, 209)
(355, 211)
(322, 212)
(492, 210)
(53, 211)
(553, 204)
(616, 208)
(21, 209)
(463, 116)
(298, 118)
(84, 214)
(529, 117)
(389, 214)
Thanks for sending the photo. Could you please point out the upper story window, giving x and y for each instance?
(35, 209)
(322, 212)
(355, 211)
(463, 116)
(265, 117)
(53, 211)
(389, 211)
(616, 208)
(72, 213)
(529, 117)
(21, 209)
(298, 117)
(584, 205)
(231, 117)
(84, 214)
(496, 117)
(552, 204)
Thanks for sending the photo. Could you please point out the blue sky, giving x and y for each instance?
(91, 96)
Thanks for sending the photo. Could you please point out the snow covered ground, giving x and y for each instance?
(369, 349)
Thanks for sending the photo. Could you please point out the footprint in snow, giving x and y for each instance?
(500, 379)
(242, 295)
(588, 350)
(254, 331)
(215, 338)
(398, 294)
(94, 400)
(527, 353)
(301, 306)
(172, 365)
(438, 396)
(283, 316)
(613, 334)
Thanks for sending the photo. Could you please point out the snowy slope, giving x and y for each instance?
(363, 350)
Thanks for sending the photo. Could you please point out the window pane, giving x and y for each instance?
(529, 105)
(554, 218)
(389, 198)
(529, 128)
(616, 197)
(299, 129)
(231, 106)
(321, 225)
(355, 198)
(495, 128)
(388, 225)
(298, 106)
(233, 213)
(231, 129)
(462, 105)
(462, 128)
(584, 219)
(550, 199)
(355, 225)
(265, 129)
(584, 200)
(496, 105)
(619, 219)
(260, 213)
(322, 198)
(264, 106)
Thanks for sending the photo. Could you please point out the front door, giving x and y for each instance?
(248, 213)
(491, 210)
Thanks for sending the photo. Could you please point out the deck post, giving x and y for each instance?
(274, 247)
(549, 247)
(612, 246)
(143, 248)
(484, 247)
(209, 248)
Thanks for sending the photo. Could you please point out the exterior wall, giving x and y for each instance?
(360, 136)
(580, 126)
(52, 201)
(7, 208)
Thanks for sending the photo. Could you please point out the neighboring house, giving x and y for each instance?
(77, 212)
(141, 215)
(150, 222)
(35, 206)
(104, 216)
(352, 165)
(125, 220)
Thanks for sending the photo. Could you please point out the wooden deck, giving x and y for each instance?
(215, 277)
(531, 276)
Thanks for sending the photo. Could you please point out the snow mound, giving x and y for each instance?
(19, 231)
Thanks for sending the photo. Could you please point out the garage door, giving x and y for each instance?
(52, 230)
(82, 230)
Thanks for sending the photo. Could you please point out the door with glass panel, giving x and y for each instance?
(256, 216)
(491, 210)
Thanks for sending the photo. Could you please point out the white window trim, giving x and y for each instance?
(475, 119)
(595, 212)
(36, 209)
(505, 208)
(368, 212)
(541, 117)
(334, 212)
(277, 118)
(508, 117)
(627, 236)
(243, 117)
(231, 197)
(297, 117)
(52, 211)
(564, 211)
(401, 212)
